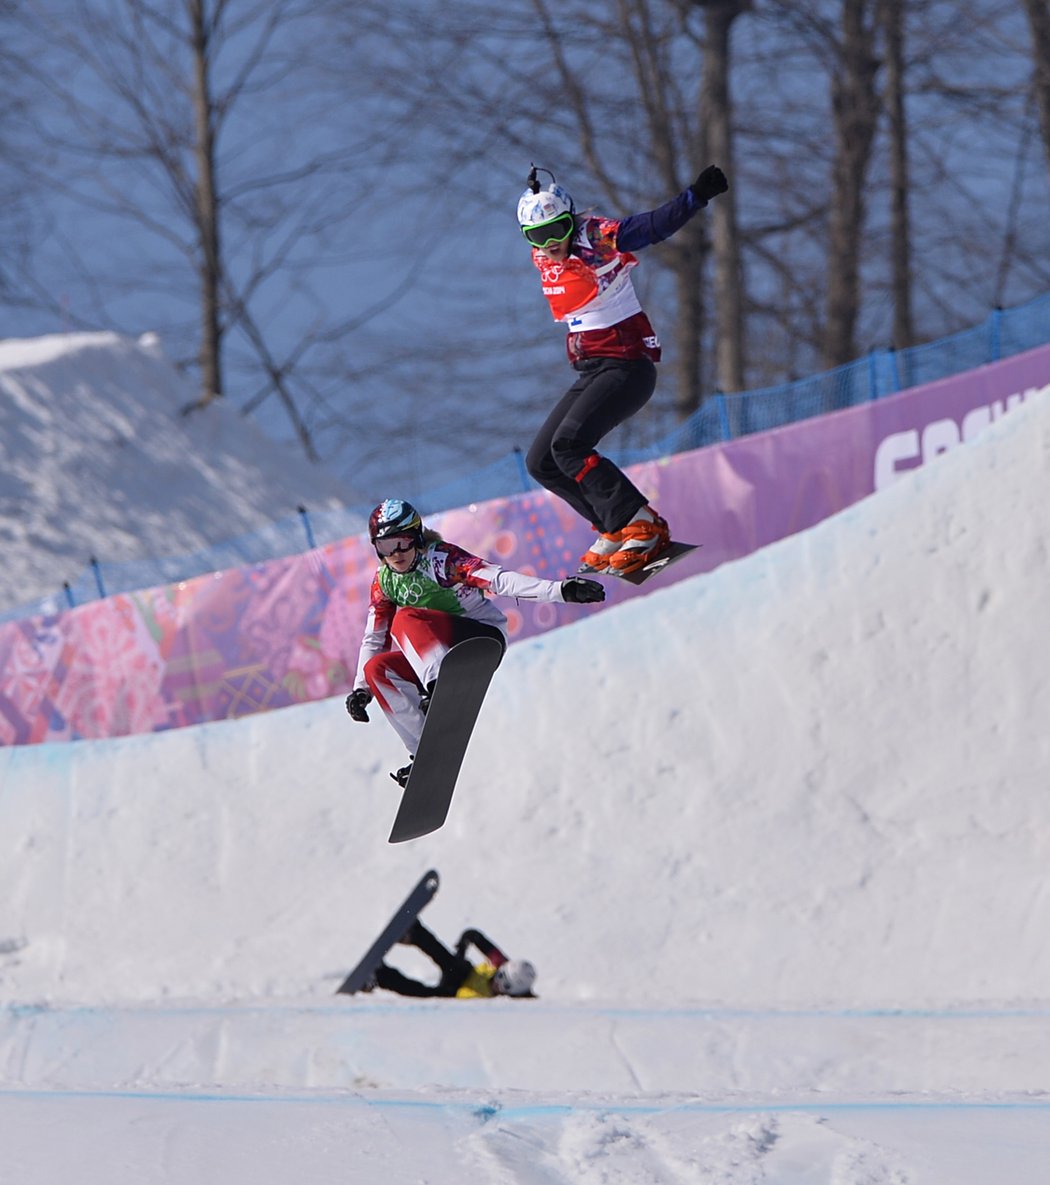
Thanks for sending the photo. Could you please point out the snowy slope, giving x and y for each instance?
(775, 837)
(837, 744)
(97, 459)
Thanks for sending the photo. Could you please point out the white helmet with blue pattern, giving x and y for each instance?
(534, 209)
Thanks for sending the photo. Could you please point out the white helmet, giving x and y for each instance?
(544, 206)
(515, 978)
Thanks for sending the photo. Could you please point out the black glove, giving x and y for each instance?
(577, 591)
(356, 702)
(711, 182)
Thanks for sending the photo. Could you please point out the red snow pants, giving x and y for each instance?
(398, 678)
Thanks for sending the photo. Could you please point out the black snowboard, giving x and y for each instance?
(463, 679)
(397, 928)
(674, 552)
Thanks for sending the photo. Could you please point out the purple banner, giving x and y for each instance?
(287, 631)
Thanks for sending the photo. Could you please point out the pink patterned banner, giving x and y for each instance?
(287, 631)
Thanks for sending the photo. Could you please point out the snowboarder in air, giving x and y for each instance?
(496, 975)
(584, 263)
(426, 596)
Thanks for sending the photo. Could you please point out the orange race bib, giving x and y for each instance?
(567, 286)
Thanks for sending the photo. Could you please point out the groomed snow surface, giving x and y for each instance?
(777, 839)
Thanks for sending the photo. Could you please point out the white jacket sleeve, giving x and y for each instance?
(504, 583)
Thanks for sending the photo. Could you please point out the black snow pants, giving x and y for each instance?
(454, 967)
(563, 457)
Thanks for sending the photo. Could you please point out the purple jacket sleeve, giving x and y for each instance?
(643, 230)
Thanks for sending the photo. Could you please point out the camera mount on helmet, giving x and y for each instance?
(533, 183)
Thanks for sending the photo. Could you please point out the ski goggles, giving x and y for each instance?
(555, 231)
(395, 544)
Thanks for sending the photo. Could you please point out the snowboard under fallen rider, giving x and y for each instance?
(426, 596)
(584, 263)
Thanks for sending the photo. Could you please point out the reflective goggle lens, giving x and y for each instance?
(555, 231)
(395, 544)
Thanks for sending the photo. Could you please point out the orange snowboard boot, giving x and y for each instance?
(601, 551)
(645, 537)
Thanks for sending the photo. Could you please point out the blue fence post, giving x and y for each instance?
(995, 342)
(306, 526)
(523, 473)
(69, 594)
(875, 370)
(723, 415)
(96, 567)
(895, 369)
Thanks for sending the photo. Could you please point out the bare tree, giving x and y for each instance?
(19, 222)
(203, 28)
(200, 131)
(855, 112)
(977, 211)
(1038, 13)
(952, 222)
(715, 125)
(891, 23)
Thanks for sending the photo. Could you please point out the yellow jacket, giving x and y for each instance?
(478, 984)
